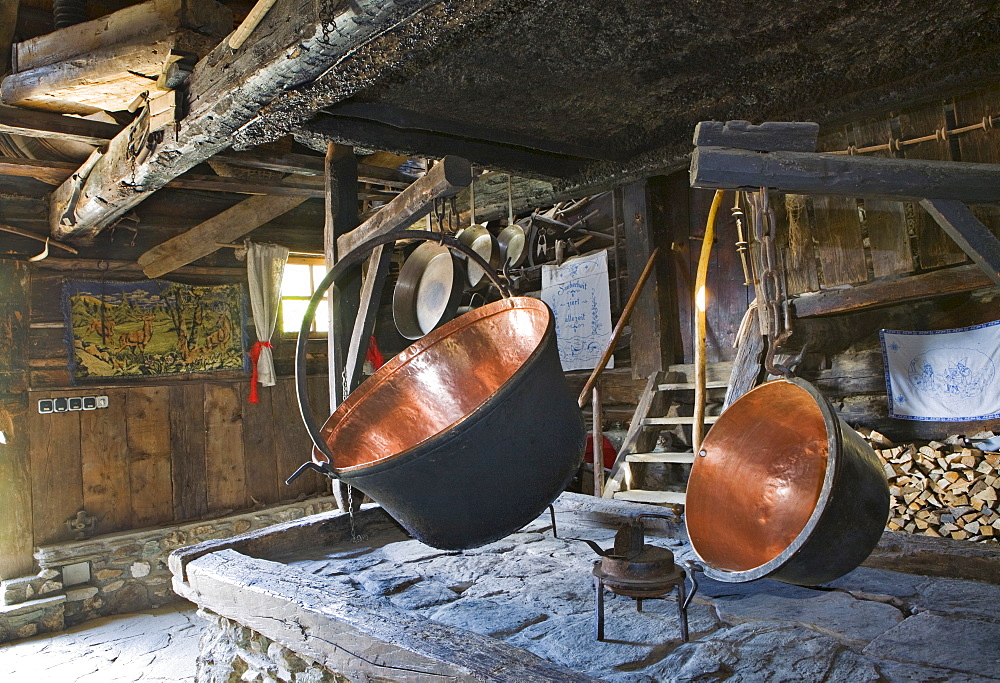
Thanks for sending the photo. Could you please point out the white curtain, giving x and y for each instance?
(265, 267)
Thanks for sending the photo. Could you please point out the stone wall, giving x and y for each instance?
(118, 573)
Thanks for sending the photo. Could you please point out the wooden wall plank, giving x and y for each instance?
(258, 446)
(291, 439)
(669, 207)
(980, 145)
(149, 455)
(884, 221)
(837, 228)
(14, 315)
(16, 524)
(224, 457)
(105, 468)
(56, 473)
(935, 248)
(797, 246)
(728, 296)
(187, 440)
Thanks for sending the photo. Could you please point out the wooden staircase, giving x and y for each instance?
(649, 420)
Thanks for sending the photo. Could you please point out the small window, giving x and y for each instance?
(301, 277)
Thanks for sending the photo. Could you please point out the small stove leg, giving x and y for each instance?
(682, 610)
(599, 611)
(638, 604)
(552, 513)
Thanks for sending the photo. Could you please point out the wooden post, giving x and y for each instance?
(341, 217)
(650, 320)
(598, 442)
(16, 530)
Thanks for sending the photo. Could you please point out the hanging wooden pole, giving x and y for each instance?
(622, 321)
(700, 305)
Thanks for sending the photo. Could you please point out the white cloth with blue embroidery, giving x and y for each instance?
(946, 375)
(580, 299)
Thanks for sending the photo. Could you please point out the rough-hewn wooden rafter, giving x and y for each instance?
(298, 41)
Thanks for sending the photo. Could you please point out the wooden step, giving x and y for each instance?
(687, 420)
(655, 497)
(682, 386)
(683, 458)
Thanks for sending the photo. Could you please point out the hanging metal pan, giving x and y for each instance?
(479, 239)
(428, 290)
(513, 245)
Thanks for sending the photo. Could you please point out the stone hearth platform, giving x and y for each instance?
(310, 601)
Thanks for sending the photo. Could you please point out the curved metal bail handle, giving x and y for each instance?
(354, 258)
(691, 568)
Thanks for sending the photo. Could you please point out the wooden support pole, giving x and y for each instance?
(619, 328)
(201, 240)
(851, 176)
(364, 323)
(446, 179)
(974, 238)
(598, 443)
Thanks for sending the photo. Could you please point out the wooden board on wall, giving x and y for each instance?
(14, 311)
(884, 221)
(935, 247)
(980, 145)
(17, 525)
(224, 457)
(837, 229)
(149, 455)
(258, 446)
(56, 474)
(187, 442)
(104, 454)
(796, 245)
(291, 440)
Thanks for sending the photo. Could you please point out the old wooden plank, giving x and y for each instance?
(520, 158)
(291, 439)
(340, 218)
(104, 452)
(149, 455)
(728, 296)
(14, 319)
(796, 245)
(883, 221)
(935, 249)
(106, 78)
(224, 454)
(245, 80)
(364, 323)
(980, 145)
(8, 25)
(839, 246)
(845, 175)
(770, 136)
(187, 443)
(17, 524)
(952, 280)
(56, 472)
(974, 238)
(649, 341)
(259, 450)
(201, 240)
(139, 20)
(669, 208)
(446, 179)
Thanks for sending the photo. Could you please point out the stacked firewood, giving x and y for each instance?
(944, 488)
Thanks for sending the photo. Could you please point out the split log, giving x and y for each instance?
(842, 175)
(770, 136)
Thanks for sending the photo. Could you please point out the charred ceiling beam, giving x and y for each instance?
(414, 141)
(296, 43)
(404, 119)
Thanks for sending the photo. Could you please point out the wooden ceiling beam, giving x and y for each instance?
(298, 41)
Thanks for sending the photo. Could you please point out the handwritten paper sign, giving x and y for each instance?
(578, 294)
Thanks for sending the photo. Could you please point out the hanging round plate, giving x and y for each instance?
(428, 290)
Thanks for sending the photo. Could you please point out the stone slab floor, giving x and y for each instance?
(155, 646)
(535, 591)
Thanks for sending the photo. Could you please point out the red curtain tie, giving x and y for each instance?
(254, 357)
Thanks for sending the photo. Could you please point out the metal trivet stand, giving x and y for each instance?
(643, 572)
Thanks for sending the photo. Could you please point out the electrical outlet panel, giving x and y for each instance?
(71, 403)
